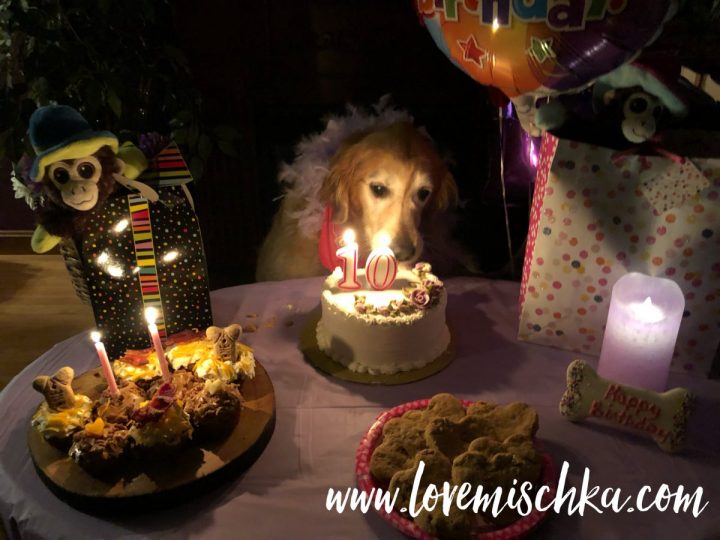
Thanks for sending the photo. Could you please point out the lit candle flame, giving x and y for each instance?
(348, 236)
(95, 336)
(382, 239)
(151, 315)
(495, 25)
(647, 311)
(102, 258)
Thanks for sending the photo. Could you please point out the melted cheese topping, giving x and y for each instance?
(186, 354)
(129, 372)
(171, 429)
(198, 355)
(201, 357)
(64, 422)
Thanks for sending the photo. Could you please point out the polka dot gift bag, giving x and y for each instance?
(597, 215)
(136, 254)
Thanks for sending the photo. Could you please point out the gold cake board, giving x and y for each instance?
(322, 362)
(161, 483)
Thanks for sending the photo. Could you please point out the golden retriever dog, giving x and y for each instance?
(388, 179)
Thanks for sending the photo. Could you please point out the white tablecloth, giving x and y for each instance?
(320, 421)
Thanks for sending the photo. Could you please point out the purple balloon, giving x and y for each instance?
(606, 44)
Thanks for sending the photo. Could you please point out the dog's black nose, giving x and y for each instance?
(404, 251)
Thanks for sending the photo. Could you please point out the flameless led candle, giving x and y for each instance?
(641, 331)
(151, 315)
(349, 255)
(105, 363)
(381, 266)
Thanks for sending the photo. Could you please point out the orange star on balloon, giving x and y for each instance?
(471, 51)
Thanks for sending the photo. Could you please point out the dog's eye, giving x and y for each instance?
(379, 190)
(423, 194)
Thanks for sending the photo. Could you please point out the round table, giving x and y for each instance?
(321, 420)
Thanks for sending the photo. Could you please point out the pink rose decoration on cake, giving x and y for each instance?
(420, 298)
(432, 284)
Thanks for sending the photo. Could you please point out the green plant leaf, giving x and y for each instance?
(177, 55)
(197, 167)
(193, 134)
(113, 100)
(227, 148)
(183, 117)
(38, 90)
(179, 135)
(4, 137)
(205, 147)
(226, 133)
(104, 6)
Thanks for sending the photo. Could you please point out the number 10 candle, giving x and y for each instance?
(349, 256)
(641, 331)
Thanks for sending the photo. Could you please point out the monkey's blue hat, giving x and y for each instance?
(59, 132)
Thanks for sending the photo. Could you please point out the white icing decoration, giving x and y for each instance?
(375, 343)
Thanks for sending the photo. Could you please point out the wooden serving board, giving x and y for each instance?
(161, 482)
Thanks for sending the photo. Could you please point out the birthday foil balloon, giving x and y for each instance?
(542, 46)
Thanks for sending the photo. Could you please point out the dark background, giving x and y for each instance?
(274, 70)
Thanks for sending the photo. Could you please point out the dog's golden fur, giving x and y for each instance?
(388, 180)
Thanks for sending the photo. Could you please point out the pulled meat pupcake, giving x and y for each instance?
(63, 412)
(484, 445)
(148, 418)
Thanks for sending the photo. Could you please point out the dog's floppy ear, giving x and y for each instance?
(342, 176)
(445, 194)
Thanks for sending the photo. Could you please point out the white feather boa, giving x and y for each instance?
(304, 176)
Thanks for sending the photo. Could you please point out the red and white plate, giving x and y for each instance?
(366, 482)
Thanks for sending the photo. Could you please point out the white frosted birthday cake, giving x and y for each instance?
(385, 331)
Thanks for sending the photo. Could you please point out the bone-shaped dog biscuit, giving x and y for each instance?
(661, 415)
(225, 340)
(56, 389)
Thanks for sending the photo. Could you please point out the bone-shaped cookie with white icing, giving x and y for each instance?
(661, 415)
(225, 340)
(56, 389)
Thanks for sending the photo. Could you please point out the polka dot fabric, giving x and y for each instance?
(366, 482)
(110, 263)
(597, 216)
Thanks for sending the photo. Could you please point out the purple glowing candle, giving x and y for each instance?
(641, 330)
